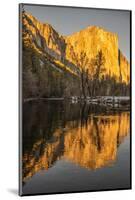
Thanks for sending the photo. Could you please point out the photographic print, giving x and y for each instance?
(75, 96)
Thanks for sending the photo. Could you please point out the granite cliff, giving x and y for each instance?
(58, 52)
(90, 40)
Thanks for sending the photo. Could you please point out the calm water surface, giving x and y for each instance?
(74, 147)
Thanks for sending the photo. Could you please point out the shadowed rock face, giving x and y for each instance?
(90, 140)
(90, 41)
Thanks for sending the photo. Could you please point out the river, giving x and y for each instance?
(74, 147)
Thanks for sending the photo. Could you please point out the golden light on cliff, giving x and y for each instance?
(90, 40)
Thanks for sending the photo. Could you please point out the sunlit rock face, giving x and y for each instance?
(93, 39)
(90, 41)
(91, 145)
(45, 36)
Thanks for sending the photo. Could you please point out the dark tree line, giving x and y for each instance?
(93, 80)
(41, 79)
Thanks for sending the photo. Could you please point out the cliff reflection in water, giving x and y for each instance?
(85, 135)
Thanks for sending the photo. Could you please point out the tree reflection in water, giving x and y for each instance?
(86, 135)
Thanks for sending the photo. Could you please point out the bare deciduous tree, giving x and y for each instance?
(98, 63)
(82, 62)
